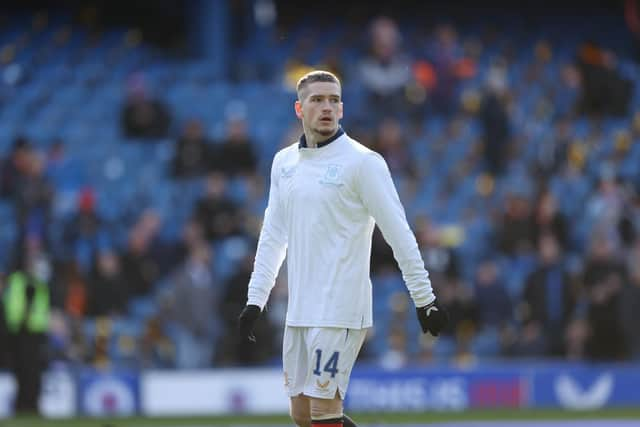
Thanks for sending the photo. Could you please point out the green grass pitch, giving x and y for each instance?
(369, 418)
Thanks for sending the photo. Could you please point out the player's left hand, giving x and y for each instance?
(247, 320)
(433, 318)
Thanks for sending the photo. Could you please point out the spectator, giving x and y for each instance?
(604, 278)
(26, 309)
(108, 293)
(4, 337)
(629, 223)
(385, 71)
(604, 91)
(630, 303)
(494, 304)
(217, 214)
(446, 56)
(33, 199)
(515, 233)
(195, 328)
(632, 18)
(14, 167)
(142, 115)
(547, 219)
(548, 298)
(84, 232)
(192, 151)
(141, 266)
(235, 155)
(391, 143)
(495, 122)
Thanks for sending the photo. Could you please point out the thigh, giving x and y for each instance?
(332, 354)
(300, 409)
(294, 359)
(326, 408)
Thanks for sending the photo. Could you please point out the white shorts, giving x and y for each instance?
(318, 361)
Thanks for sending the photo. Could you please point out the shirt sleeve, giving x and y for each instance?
(272, 247)
(381, 199)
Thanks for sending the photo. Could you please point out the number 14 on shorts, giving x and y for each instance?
(330, 366)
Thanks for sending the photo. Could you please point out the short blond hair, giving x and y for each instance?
(316, 76)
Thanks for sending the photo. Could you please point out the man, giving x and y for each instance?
(26, 311)
(4, 336)
(548, 298)
(327, 193)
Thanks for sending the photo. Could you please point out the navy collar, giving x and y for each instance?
(303, 139)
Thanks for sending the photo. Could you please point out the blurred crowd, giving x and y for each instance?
(541, 260)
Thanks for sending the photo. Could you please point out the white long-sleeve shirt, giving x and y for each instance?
(323, 205)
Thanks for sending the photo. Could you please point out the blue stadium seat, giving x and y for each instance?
(130, 175)
(486, 344)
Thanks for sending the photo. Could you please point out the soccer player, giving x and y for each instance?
(327, 193)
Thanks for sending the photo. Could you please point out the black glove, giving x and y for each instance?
(433, 318)
(247, 320)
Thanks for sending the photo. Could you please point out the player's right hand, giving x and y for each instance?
(432, 317)
(247, 320)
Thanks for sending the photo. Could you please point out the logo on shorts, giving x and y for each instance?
(323, 385)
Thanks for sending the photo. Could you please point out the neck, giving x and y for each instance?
(319, 140)
(313, 138)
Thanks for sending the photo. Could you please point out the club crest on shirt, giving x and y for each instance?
(333, 175)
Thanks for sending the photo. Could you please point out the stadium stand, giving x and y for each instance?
(510, 151)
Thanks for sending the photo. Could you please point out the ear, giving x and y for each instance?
(340, 110)
(298, 107)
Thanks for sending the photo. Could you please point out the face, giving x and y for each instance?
(320, 108)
